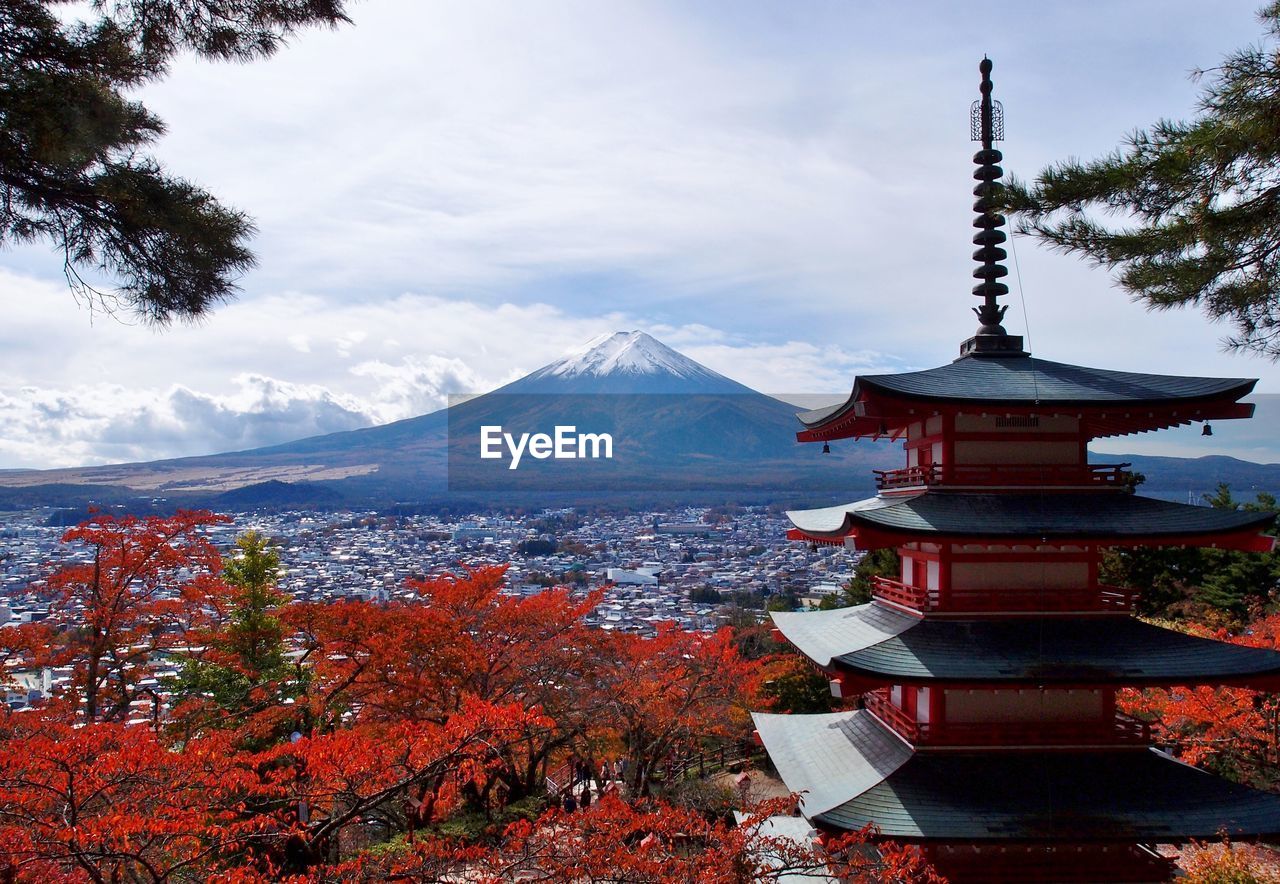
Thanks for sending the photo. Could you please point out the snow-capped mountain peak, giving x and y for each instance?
(625, 362)
(633, 352)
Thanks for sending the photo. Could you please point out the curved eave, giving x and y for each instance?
(851, 772)
(1111, 519)
(1065, 651)
(824, 635)
(830, 758)
(1062, 796)
(1108, 403)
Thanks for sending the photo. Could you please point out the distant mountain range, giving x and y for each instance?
(679, 431)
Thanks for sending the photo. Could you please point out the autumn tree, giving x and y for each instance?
(462, 640)
(666, 695)
(324, 783)
(73, 167)
(413, 713)
(142, 586)
(1232, 730)
(105, 802)
(1199, 201)
(650, 843)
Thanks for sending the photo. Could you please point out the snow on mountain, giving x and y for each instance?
(625, 362)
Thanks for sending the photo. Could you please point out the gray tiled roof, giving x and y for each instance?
(830, 758)
(1026, 380)
(1052, 649)
(822, 635)
(1089, 514)
(1123, 795)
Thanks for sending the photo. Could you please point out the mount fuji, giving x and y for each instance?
(677, 427)
(625, 362)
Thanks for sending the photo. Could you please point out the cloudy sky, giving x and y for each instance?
(450, 195)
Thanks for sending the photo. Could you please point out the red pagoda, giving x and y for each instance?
(985, 676)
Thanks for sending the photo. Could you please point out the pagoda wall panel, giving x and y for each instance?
(997, 575)
(979, 706)
(1024, 452)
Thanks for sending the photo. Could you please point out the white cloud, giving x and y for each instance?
(792, 368)
(416, 385)
(453, 194)
(245, 382)
(104, 423)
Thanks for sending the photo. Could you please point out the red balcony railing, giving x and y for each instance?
(1020, 600)
(881, 706)
(1122, 730)
(1016, 475)
(908, 477)
(900, 593)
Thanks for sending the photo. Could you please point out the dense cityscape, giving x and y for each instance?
(691, 567)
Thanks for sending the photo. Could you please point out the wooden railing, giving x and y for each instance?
(880, 705)
(1122, 730)
(1018, 475)
(1024, 599)
(908, 477)
(900, 593)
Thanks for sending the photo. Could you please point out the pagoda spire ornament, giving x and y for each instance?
(986, 124)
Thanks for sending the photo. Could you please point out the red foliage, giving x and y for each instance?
(1235, 729)
(107, 802)
(147, 584)
(665, 694)
(411, 712)
(650, 843)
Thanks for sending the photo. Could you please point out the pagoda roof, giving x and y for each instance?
(850, 775)
(878, 643)
(831, 757)
(1109, 517)
(1027, 382)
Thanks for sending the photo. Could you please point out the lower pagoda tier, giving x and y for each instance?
(875, 644)
(1112, 516)
(851, 771)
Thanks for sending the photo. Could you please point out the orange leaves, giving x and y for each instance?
(1225, 863)
(404, 714)
(650, 843)
(111, 799)
(1235, 730)
(668, 693)
(146, 584)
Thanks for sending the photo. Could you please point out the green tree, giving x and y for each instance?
(72, 165)
(1211, 586)
(705, 595)
(1241, 584)
(244, 669)
(1200, 201)
(876, 563)
(790, 684)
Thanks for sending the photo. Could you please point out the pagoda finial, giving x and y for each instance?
(986, 124)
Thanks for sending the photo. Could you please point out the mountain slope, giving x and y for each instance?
(675, 425)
